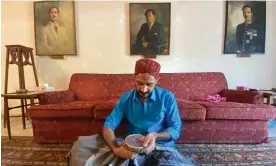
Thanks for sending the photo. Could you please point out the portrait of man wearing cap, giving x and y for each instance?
(245, 27)
(152, 112)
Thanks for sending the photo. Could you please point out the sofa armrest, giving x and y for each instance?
(55, 111)
(56, 97)
(251, 97)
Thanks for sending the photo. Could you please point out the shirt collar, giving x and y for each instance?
(53, 24)
(151, 24)
(152, 95)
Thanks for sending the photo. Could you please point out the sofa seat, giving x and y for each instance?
(190, 110)
(80, 109)
(235, 111)
(224, 131)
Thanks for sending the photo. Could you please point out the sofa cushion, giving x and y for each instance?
(194, 85)
(65, 110)
(190, 110)
(234, 110)
(56, 97)
(102, 110)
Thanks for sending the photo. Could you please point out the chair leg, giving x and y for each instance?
(6, 110)
(23, 113)
(5, 118)
(26, 107)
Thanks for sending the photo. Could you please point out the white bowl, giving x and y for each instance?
(133, 143)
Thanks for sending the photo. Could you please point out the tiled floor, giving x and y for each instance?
(17, 127)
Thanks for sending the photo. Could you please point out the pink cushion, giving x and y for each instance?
(102, 110)
(233, 110)
(190, 110)
(73, 109)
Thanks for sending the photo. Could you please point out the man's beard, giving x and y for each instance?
(144, 94)
(248, 18)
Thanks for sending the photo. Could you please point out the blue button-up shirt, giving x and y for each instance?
(157, 114)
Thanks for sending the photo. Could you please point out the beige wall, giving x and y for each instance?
(102, 34)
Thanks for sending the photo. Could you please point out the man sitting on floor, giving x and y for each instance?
(150, 111)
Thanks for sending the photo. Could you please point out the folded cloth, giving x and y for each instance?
(215, 98)
(91, 150)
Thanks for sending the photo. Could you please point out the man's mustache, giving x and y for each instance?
(144, 93)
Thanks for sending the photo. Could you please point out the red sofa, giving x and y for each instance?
(62, 116)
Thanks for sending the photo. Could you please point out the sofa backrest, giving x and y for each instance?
(100, 86)
(193, 86)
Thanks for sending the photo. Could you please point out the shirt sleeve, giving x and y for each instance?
(173, 118)
(113, 120)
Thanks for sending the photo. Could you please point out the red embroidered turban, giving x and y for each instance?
(148, 66)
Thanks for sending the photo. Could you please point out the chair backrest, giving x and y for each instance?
(187, 86)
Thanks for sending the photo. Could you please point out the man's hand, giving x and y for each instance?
(149, 142)
(124, 153)
(145, 44)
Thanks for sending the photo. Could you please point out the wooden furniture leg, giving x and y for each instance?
(6, 80)
(5, 120)
(7, 115)
(21, 84)
(19, 96)
(23, 113)
(268, 97)
(26, 107)
(32, 101)
(7, 70)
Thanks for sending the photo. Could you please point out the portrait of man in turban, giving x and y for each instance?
(149, 28)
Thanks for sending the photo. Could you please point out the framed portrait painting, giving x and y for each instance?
(55, 32)
(150, 25)
(245, 27)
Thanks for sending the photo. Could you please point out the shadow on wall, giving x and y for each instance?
(51, 72)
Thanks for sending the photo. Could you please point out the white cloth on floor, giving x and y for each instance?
(92, 151)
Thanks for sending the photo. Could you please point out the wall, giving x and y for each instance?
(102, 34)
